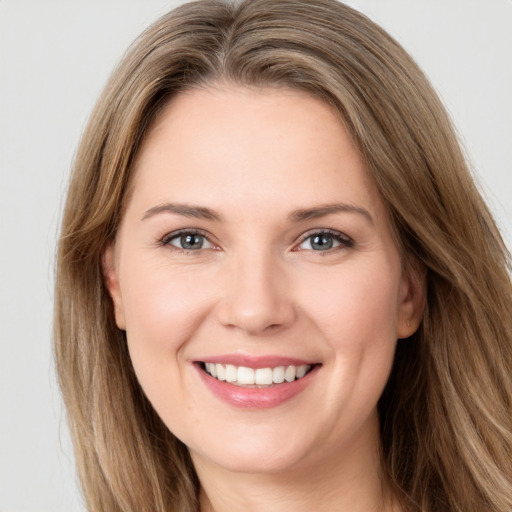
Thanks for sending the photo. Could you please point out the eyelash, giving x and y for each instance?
(345, 242)
(168, 238)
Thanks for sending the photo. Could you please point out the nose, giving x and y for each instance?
(256, 296)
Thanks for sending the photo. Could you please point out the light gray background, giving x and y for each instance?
(55, 56)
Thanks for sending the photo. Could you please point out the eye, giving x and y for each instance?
(187, 241)
(325, 241)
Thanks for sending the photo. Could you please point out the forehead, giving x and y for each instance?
(250, 145)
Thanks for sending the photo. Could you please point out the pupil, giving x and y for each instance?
(191, 242)
(322, 242)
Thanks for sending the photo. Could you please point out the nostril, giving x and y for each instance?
(255, 305)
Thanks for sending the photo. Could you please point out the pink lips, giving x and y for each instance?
(255, 361)
(254, 397)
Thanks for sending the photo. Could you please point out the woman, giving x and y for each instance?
(267, 197)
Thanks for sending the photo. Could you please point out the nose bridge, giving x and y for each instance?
(256, 298)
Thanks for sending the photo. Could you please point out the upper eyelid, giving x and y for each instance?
(345, 241)
(185, 231)
(328, 231)
(197, 231)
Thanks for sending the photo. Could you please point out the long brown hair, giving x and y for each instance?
(446, 412)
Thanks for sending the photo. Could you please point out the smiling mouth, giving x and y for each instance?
(259, 377)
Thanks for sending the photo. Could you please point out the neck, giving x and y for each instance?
(349, 481)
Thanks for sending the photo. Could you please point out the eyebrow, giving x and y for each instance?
(300, 215)
(184, 209)
(328, 209)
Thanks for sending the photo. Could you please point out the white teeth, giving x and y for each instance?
(231, 373)
(289, 374)
(301, 371)
(211, 368)
(278, 374)
(263, 376)
(221, 371)
(244, 376)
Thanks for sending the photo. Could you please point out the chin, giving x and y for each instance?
(265, 453)
(255, 463)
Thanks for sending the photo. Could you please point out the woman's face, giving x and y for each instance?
(255, 249)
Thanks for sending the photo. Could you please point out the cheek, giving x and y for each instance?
(161, 305)
(163, 308)
(356, 305)
(356, 314)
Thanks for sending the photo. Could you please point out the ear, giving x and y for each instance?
(112, 283)
(411, 299)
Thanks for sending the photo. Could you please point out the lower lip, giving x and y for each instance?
(256, 398)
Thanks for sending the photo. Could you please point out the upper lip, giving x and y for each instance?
(250, 361)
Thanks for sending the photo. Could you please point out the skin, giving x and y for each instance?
(258, 287)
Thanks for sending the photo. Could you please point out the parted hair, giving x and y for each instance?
(446, 412)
